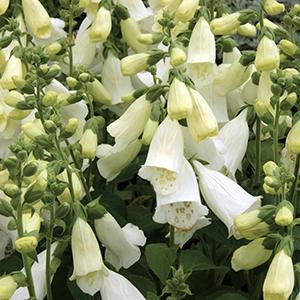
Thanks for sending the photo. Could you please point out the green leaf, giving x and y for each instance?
(160, 258)
(224, 295)
(143, 284)
(195, 260)
(151, 296)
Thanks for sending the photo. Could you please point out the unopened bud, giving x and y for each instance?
(53, 48)
(49, 98)
(287, 47)
(26, 244)
(178, 57)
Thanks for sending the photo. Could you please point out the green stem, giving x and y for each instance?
(48, 255)
(212, 9)
(257, 151)
(293, 191)
(172, 236)
(275, 134)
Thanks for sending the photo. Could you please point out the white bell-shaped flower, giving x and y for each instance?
(113, 80)
(224, 196)
(131, 124)
(117, 287)
(182, 236)
(165, 157)
(112, 161)
(202, 46)
(121, 243)
(89, 268)
(234, 135)
(181, 209)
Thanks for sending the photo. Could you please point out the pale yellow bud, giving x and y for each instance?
(49, 98)
(53, 48)
(37, 18)
(180, 103)
(267, 55)
(269, 190)
(225, 25)
(17, 114)
(101, 26)
(250, 226)
(4, 176)
(250, 256)
(279, 282)
(3, 8)
(273, 7)
(287, 47)
(130, 31)
(31, 222)
(7, 287)
(89, 143)
(150, 38)
(292, 140)
(284, 216)
(13, 68)
(201, 122)
(247, 30)
(32, 130)
(13, 97)
(149, 131)
(178, 57)
(267, 23)
(270, 167)
(133, 64)
(26, 244)
(99, 92)
(186, 10)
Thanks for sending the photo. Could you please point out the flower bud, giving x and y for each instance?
(133, 64)
(130, 31)
(287, 47)
(279, 282)
(272, 182)
(17, 114)
(49, 98)
(150, 38)
(99, 92)
(4, 176)
(292, 140)
(37, 18)
(26, 244)
(13, 97)
(50, 126)
(31, 222)
(269, 168)
(11, 190)
(22, 85)
(225, 25)
(186, 10)
(180, 103)
(267, 55)
(101, 26)
(89, 143)
(250, 256)
(251, 224)
(247, 30)
(13, 68)
(285, 214)
(201, 122)
(31, 130)
(178, 57)
(53, 48)
(3, 8)
(7, 287)
(263, 110)
(149, 131)
(70, 128)
(30, 169)
(273, 8)
(269, 190)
